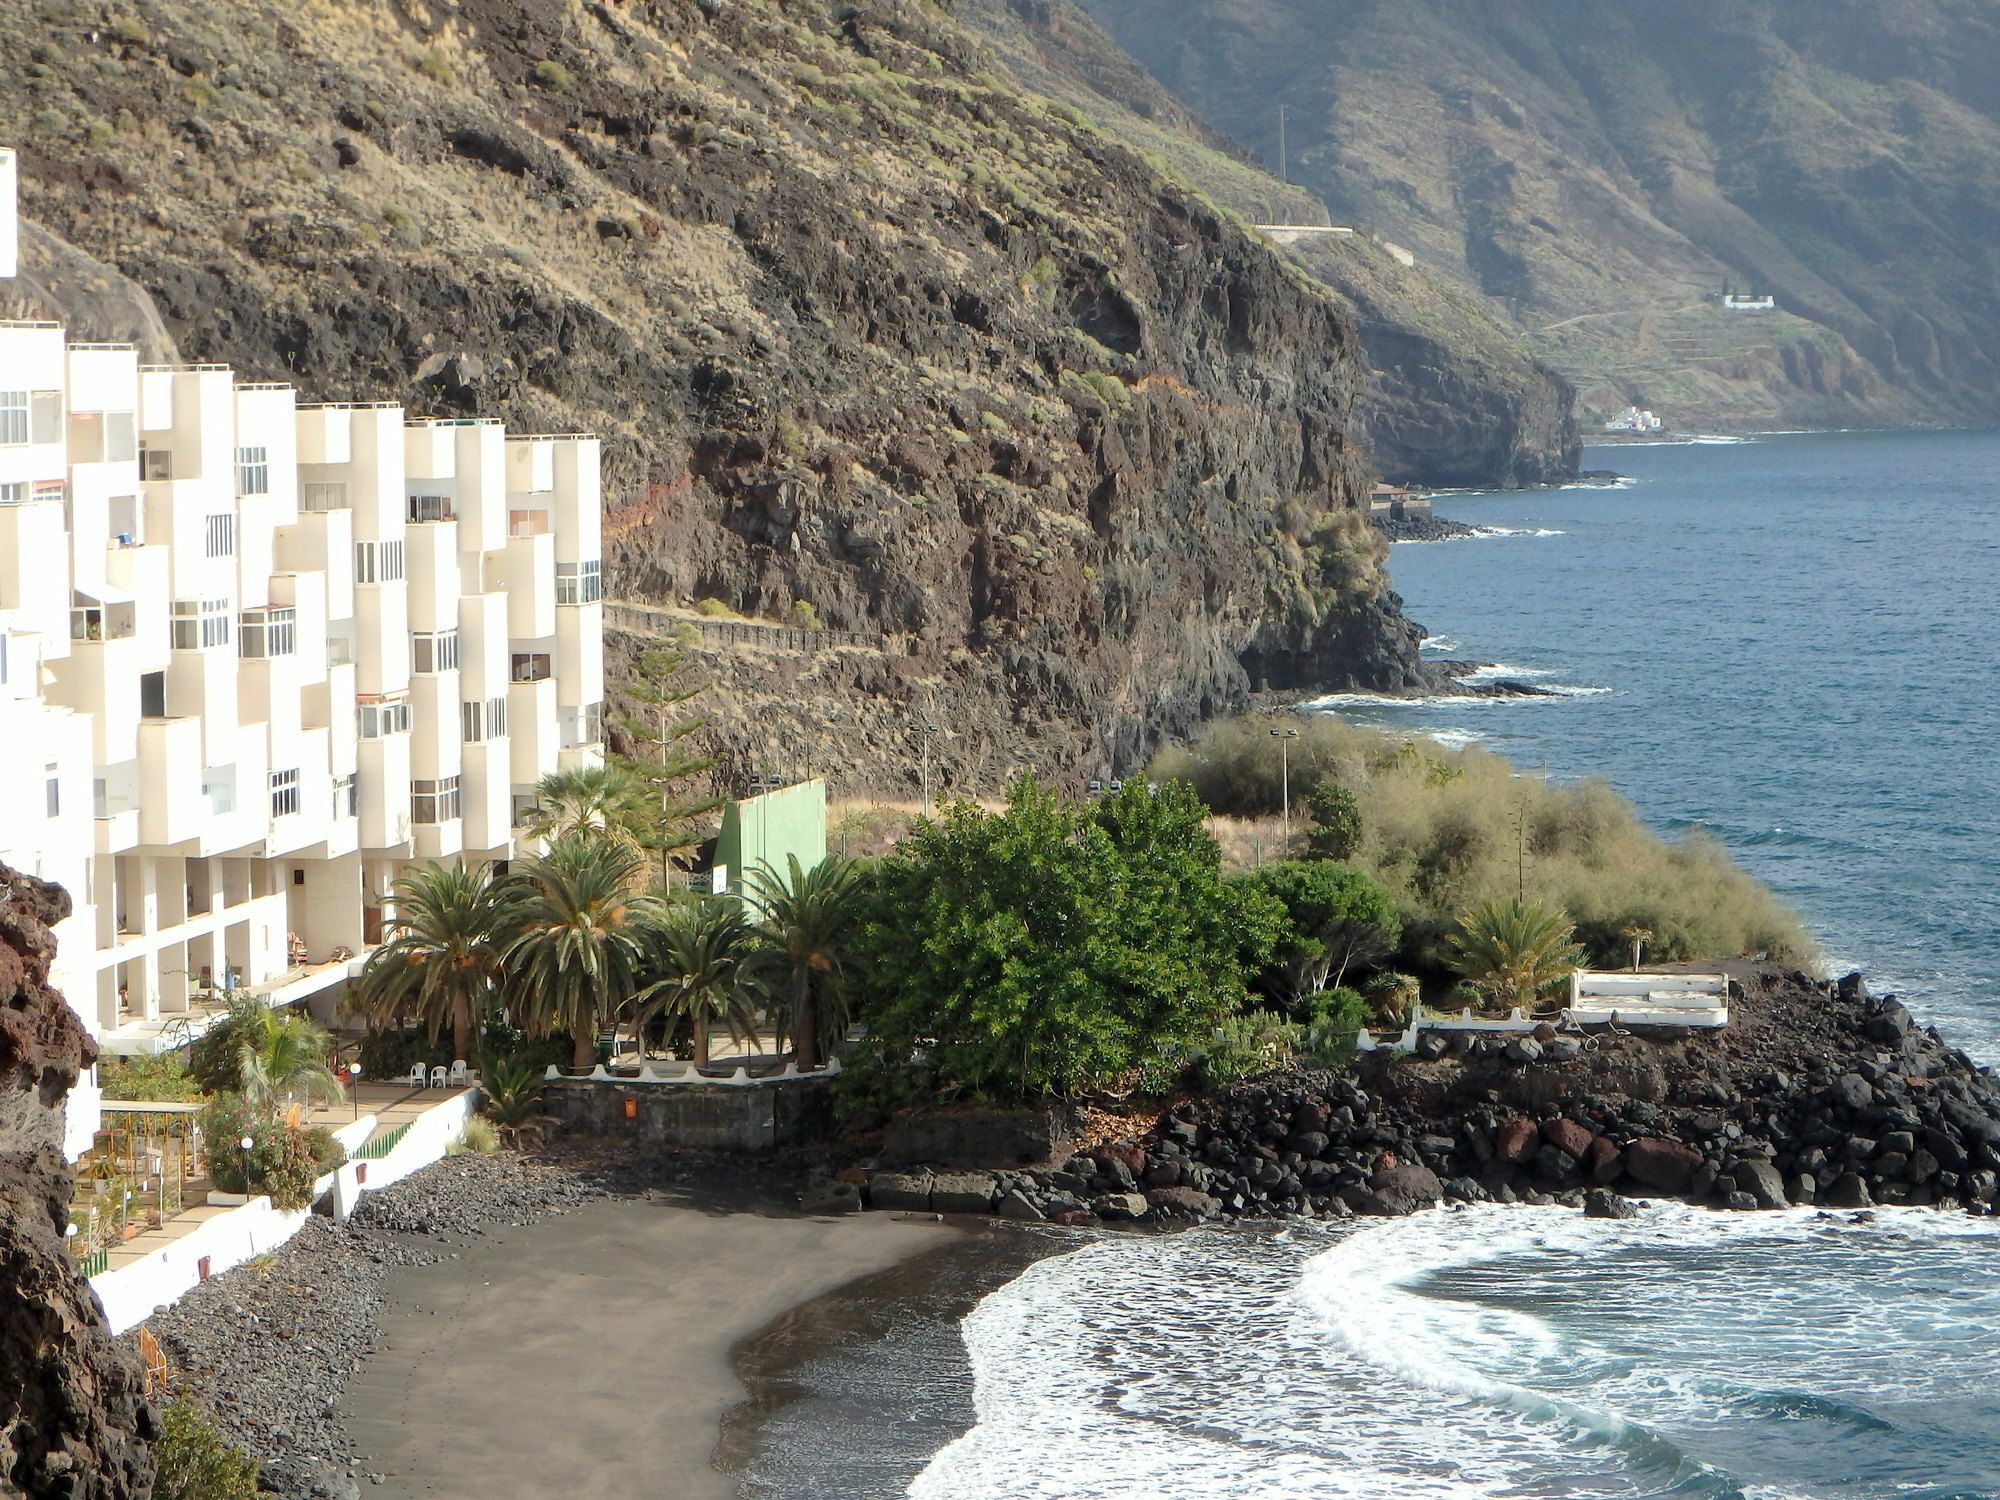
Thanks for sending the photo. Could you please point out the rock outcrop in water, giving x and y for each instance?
(73, 1420)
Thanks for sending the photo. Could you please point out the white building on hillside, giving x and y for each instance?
(256, 657)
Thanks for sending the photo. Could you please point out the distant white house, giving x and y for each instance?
(1749, 301)
(1634, 419)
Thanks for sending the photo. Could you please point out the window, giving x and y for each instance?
(3, 658)
(581, 726)
(222, 535)
(434, 652)
(323, 497)
(200, 623)
(382, 719)
(152, 695)
(284, 793)
(14, 493)
(46, 424)
(155, 464)
(268, 632)
(580, 583)
(13, 416)
(52, 791)
(483, 721)
(529, 666)
(121, 437)
(378, 562)
(346, 796)
(253, 471)
(429, 508)
(434, 801)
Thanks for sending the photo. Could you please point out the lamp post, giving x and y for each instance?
(925, 732)
(246, 1144)
(1284, 737)
(354, 1087)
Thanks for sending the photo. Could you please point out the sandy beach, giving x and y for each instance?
(589, 1355)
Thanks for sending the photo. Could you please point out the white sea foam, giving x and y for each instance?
(1438, 643)
(1518, 531)
(1546, 692)
(1455, 739)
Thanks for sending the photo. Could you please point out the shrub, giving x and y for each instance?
(1336, 821)
(805, 616)
(510, 1092)
(1244, 1046)
(480, 1137)
(1333, 1025)
(1516, 950)
(163, 1078)
(550, 74)
(1339, 922)
(212, 1060)
(193, 1461)
(130, 30)
(390, 1054)
(714, 609)
(1443, 831)
(283, 1160)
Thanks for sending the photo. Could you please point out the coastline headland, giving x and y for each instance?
(1815, 1094)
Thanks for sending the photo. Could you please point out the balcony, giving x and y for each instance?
(104, 622)
(529, 523)
(529, 666)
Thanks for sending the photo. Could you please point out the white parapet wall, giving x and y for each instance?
(131, 1294)
(1649, 999)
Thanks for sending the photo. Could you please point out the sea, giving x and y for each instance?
(1790, 643)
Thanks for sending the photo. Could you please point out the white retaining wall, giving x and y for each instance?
(131, 1294)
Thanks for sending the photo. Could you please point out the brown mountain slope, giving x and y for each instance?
(1597, 170)
(864, 324)
(1452, 397)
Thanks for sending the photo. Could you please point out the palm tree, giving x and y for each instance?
(284, 1057)
(1638, 937)
(1517, 948)
(582, 937)
(706, 956)
(607, 800)
(442, 960)
(807, 915)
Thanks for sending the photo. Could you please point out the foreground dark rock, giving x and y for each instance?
(73, 1419)
(1816, 1094)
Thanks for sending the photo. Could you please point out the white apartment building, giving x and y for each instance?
(256, 657)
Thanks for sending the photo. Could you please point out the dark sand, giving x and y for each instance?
(589, 1355)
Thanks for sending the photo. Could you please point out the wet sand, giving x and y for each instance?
(589, 1355)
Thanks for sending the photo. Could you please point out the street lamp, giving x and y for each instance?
(246, 1143)
(354, 1087)
(924, 735)
(1284, 737)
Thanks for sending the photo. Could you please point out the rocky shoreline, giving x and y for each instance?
(1815, 1094)
(1422, 528)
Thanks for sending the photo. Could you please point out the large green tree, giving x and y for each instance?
(1339, 920)
(442, 961)
(582, 943)
(1059, 945)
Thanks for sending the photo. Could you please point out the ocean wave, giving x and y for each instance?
(1622, 482)
(1455, 739)
(1438, 643)
(1505, 671)
(1518, 531)
(1479, 533)
(1545, 692)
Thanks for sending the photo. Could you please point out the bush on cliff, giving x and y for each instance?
(1058, 945)
(1446, 830)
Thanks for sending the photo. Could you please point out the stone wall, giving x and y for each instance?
(747, 1118)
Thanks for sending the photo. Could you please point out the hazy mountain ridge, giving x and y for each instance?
(1599, 171)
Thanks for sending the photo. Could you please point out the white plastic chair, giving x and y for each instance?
(459, 1078)
(438, 1076)
(417, 1075)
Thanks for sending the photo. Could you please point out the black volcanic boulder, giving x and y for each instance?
(1395, 1191)
(1663, 1164)
(1761, 1181)
(1599, 1204)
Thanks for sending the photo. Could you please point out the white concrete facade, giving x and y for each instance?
(256, 657)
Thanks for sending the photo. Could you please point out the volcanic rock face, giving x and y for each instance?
(73, 1422)
(862, 322)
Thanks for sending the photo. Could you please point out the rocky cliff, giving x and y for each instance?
(1451, 397)
(864, 323)
(1598, 172)
(73, 1422)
